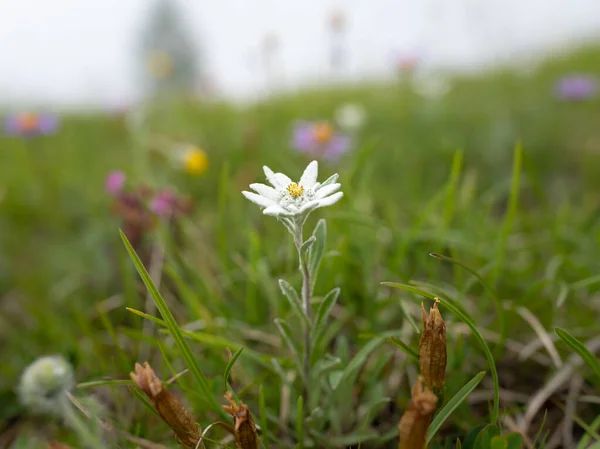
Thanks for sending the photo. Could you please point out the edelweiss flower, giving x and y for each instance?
(291, 199)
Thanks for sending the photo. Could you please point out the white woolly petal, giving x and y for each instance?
(266, 191)
(331, 199)
(276, 211)
(309, 206)
(326, 191)
(260, 200)
(309, 177)
(282, 180)
(271, 177)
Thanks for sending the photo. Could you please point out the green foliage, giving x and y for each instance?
(514, 224)
(452, 404)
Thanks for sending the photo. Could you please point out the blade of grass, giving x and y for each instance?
(511, 213)
(452, 404)
(409, 318)
(450, 305)
(590, 359)
(229, 367)
(143, 399)
(500, 312)
(358, 361)
(105, 382)
(300, 422)
(540, 430)
(404, 347)
(262, 408)
(174, 328)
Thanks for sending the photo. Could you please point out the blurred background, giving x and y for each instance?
(68, 52)
(463, 127)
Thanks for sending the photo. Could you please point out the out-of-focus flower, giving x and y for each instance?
(168, 204)
(407, 63)
(350, 116)
(45, 383)
(430, 85)
(194, 160)
(576, 87)
(160, 64)
(114, 182)
(30, 124)
(320, 140)
(163, 203)
(137, 219)
(291, 199)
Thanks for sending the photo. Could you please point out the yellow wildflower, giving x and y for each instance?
(195, 161)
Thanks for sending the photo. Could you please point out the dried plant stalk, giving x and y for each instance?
(169, 407)
(243, 424)
(417, 417)
(432, 349)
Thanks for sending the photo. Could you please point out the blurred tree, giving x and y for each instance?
(170, 55)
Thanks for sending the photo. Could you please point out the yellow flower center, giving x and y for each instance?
(28, 121)
(295, 190)
(323, 132)
(195, 161)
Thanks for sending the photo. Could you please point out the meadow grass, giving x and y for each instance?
(498, 177)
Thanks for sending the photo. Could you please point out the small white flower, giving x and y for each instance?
(44, 382)
(350, 116)
(294, 199)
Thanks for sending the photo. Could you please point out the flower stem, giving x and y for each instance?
(306, 297)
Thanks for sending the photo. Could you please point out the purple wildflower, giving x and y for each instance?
(319, 140)
(576, 87)
(164, 204)
(114, 182)
(30, 124)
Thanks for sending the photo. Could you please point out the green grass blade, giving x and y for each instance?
(143, 399)
(511, 213)
(409, 318)
(590, 359)
(106, 382)
(452, 404)
(300, 422)
(147, 316)
(229, 367)
(498, 306)
(404, 347)
(358, 361)
(262, 409)
(585, 439)
(455, 172)
(173, 327)
(457, 310)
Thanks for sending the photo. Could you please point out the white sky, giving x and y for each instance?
(84, 51)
